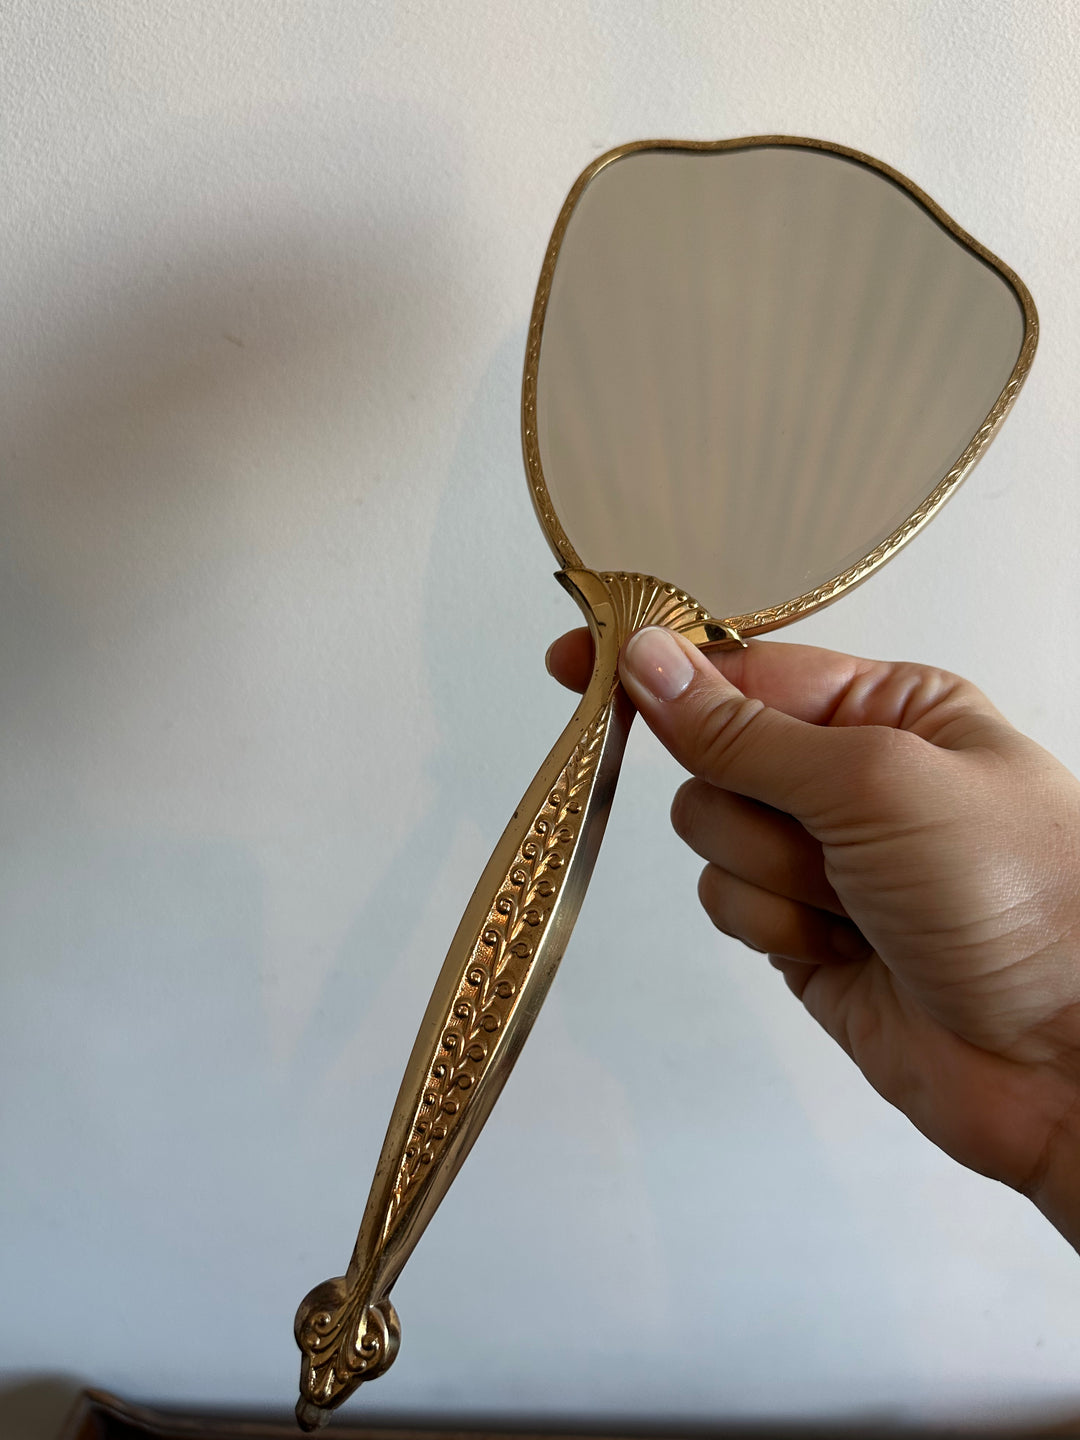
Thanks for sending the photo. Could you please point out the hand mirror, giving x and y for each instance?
(754, 370)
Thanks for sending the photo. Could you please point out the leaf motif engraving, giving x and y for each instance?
(498, 965)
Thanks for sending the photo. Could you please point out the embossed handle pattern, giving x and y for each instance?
(495, 977)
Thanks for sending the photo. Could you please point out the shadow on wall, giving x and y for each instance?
(477, 606)
(143, 440)
(143, 443)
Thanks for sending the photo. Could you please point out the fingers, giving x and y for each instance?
(776, 924)
(762, 846)
(825, 687)
(796, 975)
(828, 738)
(801, 680)
(570, 659)
(722, 735)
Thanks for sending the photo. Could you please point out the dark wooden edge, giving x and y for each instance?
(97, 1415)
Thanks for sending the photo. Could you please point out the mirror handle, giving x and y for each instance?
(494, 980)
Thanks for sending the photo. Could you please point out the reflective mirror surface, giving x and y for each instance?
(756, 364)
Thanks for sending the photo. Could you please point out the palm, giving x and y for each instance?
(992, 1114)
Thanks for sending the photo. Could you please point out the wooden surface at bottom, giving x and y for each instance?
(97, 1415)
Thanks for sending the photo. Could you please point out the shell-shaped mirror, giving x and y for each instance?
(755, 369)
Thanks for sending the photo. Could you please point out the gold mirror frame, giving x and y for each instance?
(516, 926)
(757, 622)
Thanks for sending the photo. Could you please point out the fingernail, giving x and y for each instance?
(656, 660)
(547, 658)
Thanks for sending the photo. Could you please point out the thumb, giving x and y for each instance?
(720, 734)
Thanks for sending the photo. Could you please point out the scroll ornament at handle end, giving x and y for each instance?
(344, 1337)
(495, 977)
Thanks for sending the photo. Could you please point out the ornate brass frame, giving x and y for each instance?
(517, 923)
(759, 621)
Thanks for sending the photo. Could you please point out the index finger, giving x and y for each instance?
(826, 687)
(822, 687)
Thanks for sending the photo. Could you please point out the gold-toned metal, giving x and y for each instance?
(495, 977)
(759, 621)
(517, 923)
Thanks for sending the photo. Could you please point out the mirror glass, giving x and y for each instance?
(756, 364)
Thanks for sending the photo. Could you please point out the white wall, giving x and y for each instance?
(274, 607)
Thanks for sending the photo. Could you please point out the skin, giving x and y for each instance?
(909, 862)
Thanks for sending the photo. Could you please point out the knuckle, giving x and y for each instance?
(723, 729)
(686, 808)
(928, 687)
(713, 894)
(719, 899)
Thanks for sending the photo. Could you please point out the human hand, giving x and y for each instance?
(911, 864)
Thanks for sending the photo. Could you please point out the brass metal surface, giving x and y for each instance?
(495, 977)
(786, 608)
(515, 928)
